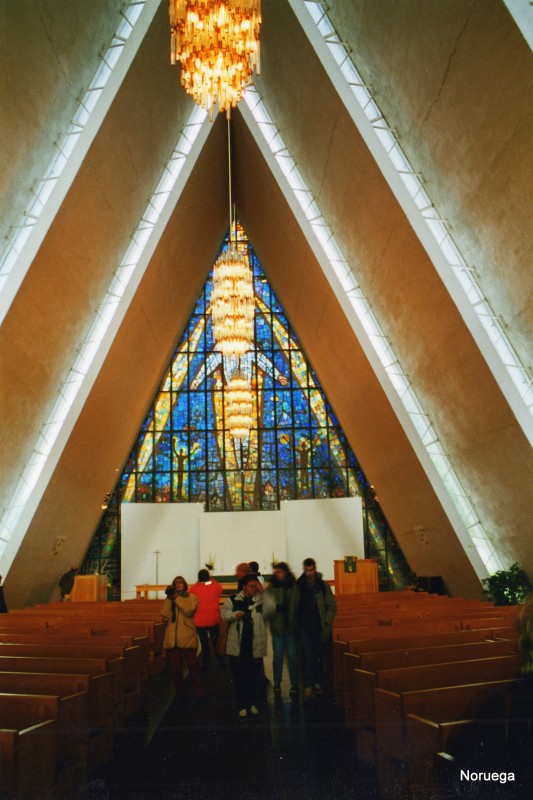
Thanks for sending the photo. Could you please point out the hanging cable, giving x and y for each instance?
(229, 184)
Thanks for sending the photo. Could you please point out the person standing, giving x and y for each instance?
(254, 569)
(207, 617)
(282, 625)
(241, 570)
(181, 641)
(66, 582)
(246, 613)
(3, 607)
(316, 612)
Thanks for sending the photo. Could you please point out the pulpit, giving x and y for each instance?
(363, 577)
(89, 588)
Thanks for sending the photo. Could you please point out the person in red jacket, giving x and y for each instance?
(207, 617)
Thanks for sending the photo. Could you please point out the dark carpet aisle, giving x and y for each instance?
(293, 749)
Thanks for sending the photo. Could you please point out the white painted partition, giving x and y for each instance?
(187, 537)
(325, 530)
(170, 528)
(234, 536)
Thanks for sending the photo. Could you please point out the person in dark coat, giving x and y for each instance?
(3, 607)
(316, 611)
(283, 624)
(66, 581)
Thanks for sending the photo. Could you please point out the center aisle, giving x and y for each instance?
(293, 749)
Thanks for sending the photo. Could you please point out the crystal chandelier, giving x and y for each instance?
(233, 303)
(232, 306)
(238, 406)
(217, 44)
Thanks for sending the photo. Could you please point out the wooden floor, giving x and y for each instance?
(184, 751)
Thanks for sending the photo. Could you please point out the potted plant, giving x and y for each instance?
(508, 587)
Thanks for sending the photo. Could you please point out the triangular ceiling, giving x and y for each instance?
(425, 92)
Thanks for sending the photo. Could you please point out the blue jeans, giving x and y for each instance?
(280, 644)
(312, 653)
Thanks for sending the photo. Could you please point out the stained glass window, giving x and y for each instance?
(295, 449)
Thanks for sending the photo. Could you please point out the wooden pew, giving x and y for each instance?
(425, 676)
(98, 687)
(447, 703)
(361, 700)
(70, 713)
(55, 636)
(27, 757)
(130, 667)
(90, 666)
(412, 655)
(376, 644)
(70, 735)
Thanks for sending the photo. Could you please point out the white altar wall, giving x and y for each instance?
(235, 536)
(325, 530)
(186, 536)
(171, 528)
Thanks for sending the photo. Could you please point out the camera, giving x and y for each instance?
(170, 591)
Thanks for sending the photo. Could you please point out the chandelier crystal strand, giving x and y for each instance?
(239, 406)
(217, 44)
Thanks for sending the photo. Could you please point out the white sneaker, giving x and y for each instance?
(254, 710)
(243, 712)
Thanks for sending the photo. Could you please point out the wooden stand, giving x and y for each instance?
(89, 588)
(364, 579)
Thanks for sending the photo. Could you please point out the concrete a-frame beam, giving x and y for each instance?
(455, 79)
(47, 167)
(70, 274)
(118, 402)
(48, 54)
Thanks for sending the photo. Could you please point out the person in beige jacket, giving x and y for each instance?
(181, 640)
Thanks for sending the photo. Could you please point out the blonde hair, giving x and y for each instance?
(525, 638)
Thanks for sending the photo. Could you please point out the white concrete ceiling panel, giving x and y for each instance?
(49, 51)
(455, 81)
(56, 303)
(409, 299)
(118, 402)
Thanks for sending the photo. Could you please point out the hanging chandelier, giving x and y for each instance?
(238, 406)
(233, 303)
(217, 44)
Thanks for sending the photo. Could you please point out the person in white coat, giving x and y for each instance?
(246, 613)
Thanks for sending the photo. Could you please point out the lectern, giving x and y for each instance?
(89, 588)
(363, 579)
